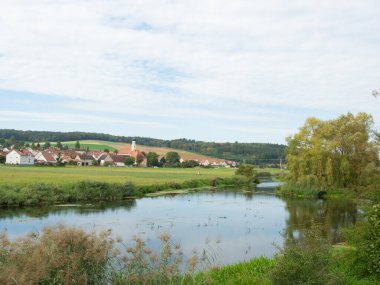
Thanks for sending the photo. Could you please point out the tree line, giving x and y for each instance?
(253, 153)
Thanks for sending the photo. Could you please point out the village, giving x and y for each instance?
(54, 156)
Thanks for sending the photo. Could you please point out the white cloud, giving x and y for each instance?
(58, 117)
(181, 58)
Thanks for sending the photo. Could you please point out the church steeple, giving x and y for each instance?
(133, 146)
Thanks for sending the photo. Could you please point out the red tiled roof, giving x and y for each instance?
(66, 158)
(48, 156)
(20, 152)
(119, 158)
(135, 153)
(70, 153)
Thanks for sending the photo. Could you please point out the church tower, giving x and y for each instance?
(133, 147)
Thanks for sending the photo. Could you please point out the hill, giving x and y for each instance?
(162, 151)
(124, 148)
(257, 153)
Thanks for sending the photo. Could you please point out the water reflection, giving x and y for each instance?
(331, 215)
(80, 209)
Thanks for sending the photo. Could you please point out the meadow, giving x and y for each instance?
(24, 175)
(93, 144)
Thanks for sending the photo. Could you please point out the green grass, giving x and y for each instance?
(43, 185)
(244, 273)
(24, 175)
(92, 144)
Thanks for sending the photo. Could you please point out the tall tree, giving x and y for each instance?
(339, 152)
(47, 145)
(77, 145)
(139, 158)
(59, 145)
(172, 158)
(248, 171)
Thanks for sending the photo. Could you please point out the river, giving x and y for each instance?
(228, 226)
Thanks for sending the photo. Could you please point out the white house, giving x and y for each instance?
(17, 157)
(84, 160)
(105, 159)
(45, 158)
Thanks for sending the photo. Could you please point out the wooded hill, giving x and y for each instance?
(256, 153)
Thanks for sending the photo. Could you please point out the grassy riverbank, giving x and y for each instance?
(63, 255)
(309, 188)
(23, 186)
(89, 191)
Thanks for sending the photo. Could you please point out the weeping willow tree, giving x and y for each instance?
(341, 152)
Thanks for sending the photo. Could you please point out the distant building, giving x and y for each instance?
(84, 160)
(105, 159)
(135, 153)
(45, 157)
(19, 158)
(118, 160)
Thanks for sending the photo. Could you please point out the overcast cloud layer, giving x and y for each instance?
(213, 70)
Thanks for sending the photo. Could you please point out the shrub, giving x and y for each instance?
(41, 193)
(59, 255)
(305, 261)
(366, 238)
(141, 265)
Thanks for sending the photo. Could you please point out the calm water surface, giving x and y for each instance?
(229, 226)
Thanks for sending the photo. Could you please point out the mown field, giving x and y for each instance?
(93, 144)
(22, 175)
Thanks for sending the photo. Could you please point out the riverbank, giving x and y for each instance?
(37, 194)
(33, 186)
(72, 255)
(296, 191)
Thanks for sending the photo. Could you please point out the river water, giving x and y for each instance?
(228, 226)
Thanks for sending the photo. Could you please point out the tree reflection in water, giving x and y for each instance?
(82, 209)
(331, 215)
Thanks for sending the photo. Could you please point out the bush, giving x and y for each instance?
(305, 261)
(58, 256)
(366, 238)
(141, 265)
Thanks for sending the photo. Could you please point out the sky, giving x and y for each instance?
(212, 70)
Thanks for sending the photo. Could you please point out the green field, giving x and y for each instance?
(23, 175)
(93, 144)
